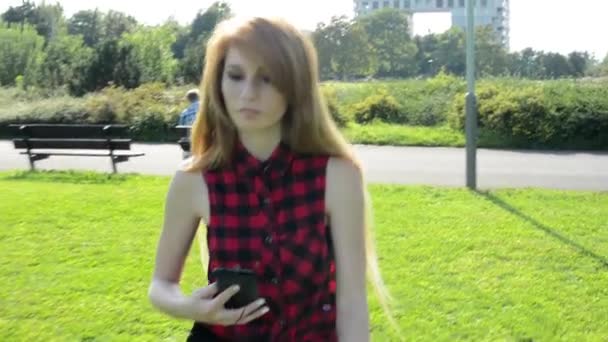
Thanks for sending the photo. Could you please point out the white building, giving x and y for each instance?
(487, 12)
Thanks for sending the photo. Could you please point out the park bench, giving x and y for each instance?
(38, 139)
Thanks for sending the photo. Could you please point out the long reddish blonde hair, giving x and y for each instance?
(307, 127)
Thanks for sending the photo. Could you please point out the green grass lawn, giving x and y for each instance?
(402, 135)
(379, 133)
(77, 253)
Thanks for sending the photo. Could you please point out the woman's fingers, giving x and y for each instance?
(205, 292)
(245, 314)
(254, 315)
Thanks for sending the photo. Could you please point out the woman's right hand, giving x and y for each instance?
(205, 308)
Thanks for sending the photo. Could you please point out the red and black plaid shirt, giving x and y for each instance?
(270, 217)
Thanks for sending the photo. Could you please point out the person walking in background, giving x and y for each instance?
(186, 118)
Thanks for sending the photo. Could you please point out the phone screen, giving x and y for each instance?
(246, 280)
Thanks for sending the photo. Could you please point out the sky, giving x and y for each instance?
(548, 25)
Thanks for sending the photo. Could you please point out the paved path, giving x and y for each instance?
(405, 165)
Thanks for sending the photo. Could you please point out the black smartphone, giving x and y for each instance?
(244, 278)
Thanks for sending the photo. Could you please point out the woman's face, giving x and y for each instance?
(251, 99)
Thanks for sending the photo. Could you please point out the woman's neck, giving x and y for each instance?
(261, 144)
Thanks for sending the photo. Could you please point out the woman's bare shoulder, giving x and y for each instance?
(343, 169)
(344, 180)
(192, 187)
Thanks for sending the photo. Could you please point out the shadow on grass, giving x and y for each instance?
(73, 177)
(550, 231)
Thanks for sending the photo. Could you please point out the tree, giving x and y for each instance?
(191, 67)
(127, 72)
(100, 74)
(343, 49)
(113, 63)
(205, 22)
(603, 67)
(96, 26)
(355, 56)
(555, 65)
(21, 54)
(451, 52)
(192, 45)
(388, 32)
(445, 51)
(427, 46)
(579, 63)
(89, 24)
(116, 23)
(152, 52)
(325, 47)
(48, 21)
(65, 58)
(20, 14)
(491, 56)
(526, 64)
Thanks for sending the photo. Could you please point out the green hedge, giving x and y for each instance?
(562, 114)
(378, 107)
(513, 113)
(420, 102)
(150, 110)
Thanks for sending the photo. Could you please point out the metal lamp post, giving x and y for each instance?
(471, 102)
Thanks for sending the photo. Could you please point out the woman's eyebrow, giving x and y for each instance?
(234, 66)
(238, 67)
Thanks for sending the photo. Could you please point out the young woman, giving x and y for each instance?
(279, 192)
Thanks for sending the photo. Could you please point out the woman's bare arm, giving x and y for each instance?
(186, 203)
(345, 204)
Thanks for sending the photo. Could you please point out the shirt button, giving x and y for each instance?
(268, 239)
(282, 323)
(266, 201)
(326, 307)
(275, 280)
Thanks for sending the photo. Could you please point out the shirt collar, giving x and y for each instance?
(276, 165)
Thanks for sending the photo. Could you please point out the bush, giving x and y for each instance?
(430, 112)
(381, 107)
(149, 126)
(580, 111)
(512, 112)
(54, 110)
(103, 106)
(331, 100)
(421, 102)
(545, 114)
(150, 110)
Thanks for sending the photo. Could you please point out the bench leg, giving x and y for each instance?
(33, 157)
(113, 165)
(32, 167)
(118, 159)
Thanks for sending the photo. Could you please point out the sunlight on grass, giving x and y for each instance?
(78, 251)
(401, 135)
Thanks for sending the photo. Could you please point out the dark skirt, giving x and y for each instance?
(200, 333)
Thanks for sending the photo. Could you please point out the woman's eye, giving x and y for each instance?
(265, 79)
(235, 77)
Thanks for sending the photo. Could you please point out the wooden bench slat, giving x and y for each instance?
(70, 131)
(84, 144)
(87, 154)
